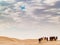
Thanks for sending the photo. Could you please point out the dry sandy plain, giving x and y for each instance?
(13, 41)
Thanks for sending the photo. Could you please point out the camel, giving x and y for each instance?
(53, 38)
(43, 38)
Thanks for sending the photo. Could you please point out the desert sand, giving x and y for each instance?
(14, 41)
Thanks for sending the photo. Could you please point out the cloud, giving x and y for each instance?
(50, 2)
(56, 5)
(9, 1)
(55, 19)
(6, 19)
(3, 3)
(34, 12)
(23, 0)
(49, 11)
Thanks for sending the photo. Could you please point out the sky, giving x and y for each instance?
(29, 19)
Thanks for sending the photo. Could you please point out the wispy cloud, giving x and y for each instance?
(34, 13)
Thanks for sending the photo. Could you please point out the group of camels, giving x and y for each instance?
(52, 38)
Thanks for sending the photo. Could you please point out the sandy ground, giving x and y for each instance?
(13, 41)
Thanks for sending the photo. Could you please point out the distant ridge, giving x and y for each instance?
(2, 38)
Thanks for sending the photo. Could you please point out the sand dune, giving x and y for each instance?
(13, 41)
